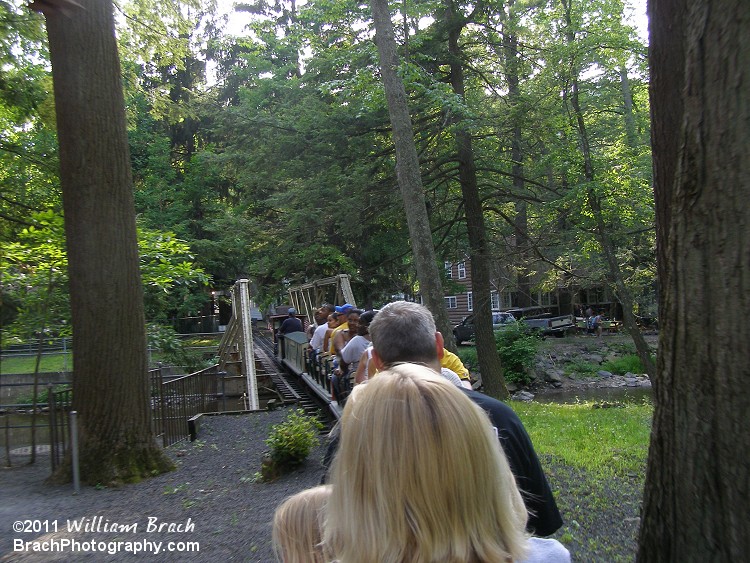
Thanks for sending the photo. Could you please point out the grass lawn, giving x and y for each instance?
(595, 460)
(26, 364)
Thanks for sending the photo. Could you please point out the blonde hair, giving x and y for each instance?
(420, 477)
(297, 526)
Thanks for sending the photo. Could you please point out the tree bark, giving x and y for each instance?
(408, 173)
(489, 360)
(697, 483)
(110, 381)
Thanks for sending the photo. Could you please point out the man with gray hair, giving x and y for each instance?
(405, 332)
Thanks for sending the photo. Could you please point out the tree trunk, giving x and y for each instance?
(622, 291)
(110, 382)
(520, 221)
(408, 173)
(489, 360)
(697, 483)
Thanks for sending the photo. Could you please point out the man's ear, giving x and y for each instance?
(379, 365)
(440, 345)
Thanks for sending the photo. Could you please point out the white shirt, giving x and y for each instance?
(317, 340)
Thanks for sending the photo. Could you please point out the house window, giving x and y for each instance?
(461, 270)
(495, 298)
(545, 298)
(506, 300)
(469, 300)
(449, 270)
(450, 302)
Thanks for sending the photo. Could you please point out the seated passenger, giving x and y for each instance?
(452, 362)
(401, 491)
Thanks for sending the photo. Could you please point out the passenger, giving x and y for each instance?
(291, 323)
(343, 334)
(340, 383)
(333, 322)
(401, 492)
(405, 332)
(322, 317)
(352, 352)
(343, 311)
(297, 526)
(452, 362)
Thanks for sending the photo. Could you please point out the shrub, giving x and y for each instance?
(517, 349)
(290, 442)
(468, 356)
(624, 364)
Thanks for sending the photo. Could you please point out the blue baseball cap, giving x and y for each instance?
(345, 308)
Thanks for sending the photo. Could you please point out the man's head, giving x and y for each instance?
(292, 311)
(405, 332)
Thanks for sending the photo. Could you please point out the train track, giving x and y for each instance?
(291, 388)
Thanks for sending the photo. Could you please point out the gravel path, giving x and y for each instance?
(230, 515)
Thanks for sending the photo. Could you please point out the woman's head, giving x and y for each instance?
(297, 526)
(420, 475)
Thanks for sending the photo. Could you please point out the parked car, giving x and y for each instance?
(533, 318)
(537, 318)
(465, 329)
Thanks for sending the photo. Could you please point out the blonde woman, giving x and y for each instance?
(297, 527)
(401, 492)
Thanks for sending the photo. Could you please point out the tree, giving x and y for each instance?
(408, 173)
(697, 479)
(110, 382)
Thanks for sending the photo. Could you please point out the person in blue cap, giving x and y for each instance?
(291, 323)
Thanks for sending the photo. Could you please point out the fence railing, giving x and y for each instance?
(59, 403)
(176, 401)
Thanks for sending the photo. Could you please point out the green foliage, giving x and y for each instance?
(624, 364)
(517, 349)
(173, 350)
(581, 368)
(42, 396)
(292, 440)
(468, 355)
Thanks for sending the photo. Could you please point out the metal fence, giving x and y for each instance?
(174, 402)
(59, 403)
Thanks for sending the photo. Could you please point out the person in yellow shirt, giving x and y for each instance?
(343, 312)
(454, 363)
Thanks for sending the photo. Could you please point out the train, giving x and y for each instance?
(293, 352)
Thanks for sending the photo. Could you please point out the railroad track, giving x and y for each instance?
(290, 388)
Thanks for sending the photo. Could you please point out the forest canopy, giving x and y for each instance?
(268, 154)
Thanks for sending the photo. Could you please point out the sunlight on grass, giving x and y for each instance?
(602, 440)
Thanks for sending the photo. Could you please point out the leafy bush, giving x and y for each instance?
(291, 442)
(173, 350)
(517, 349)
(468, 356)
(581, 368)
(624, 364)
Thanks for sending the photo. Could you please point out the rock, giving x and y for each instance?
(604, 373)
(523, 396)
(554, 376)
(593, 358)
(512, 387)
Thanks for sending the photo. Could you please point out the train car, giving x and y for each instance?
(293, 352)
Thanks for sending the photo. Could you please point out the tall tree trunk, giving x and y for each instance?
(487, 355)
(697, 483)
(605, 239)
(408, 173)
(521, 222)
(110, 381)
